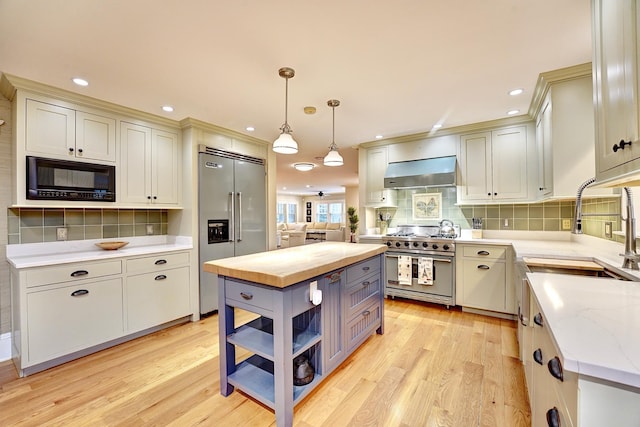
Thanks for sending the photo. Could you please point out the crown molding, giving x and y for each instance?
(548, 79)
(191, 123)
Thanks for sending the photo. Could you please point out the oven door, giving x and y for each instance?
(443, 275)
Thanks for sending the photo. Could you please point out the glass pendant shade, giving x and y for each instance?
(333, 158)
(285, 144)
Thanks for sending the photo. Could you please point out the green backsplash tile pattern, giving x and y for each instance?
(546, 216)
(29, 225)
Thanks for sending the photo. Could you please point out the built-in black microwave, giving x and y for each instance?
(52, 179)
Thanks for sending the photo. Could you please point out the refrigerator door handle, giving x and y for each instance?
(239, 216)
(232, 227)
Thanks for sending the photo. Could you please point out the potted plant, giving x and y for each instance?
(353, 222)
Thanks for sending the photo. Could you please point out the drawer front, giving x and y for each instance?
(357, 297)
(59, 323)
(156, 298)
(363, 268)
(157, 262)
(71, 272)
(249, 295)
(492, 252)
(301, 298)
(363, 324)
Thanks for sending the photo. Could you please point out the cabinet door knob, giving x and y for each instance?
(555, 368)
(79, 273)
(80, 150)
(79, 293)
(621, 145)
(537, 319)
(537, 356)
(553, 417)
(70, 150)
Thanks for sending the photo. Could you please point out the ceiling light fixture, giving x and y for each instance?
(79, 81)
(285, 143)
(333, 158)
(515, 92)
(512, 112)
(167, 108)
(379, 136)
(437, 126)
(304, 167)
(250, 128)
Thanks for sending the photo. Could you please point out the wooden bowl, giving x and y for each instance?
(111, 246)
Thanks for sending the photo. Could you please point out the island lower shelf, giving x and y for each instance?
(288, 327)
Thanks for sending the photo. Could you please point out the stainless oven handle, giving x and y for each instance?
(434, 259)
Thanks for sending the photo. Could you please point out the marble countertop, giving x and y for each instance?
(52, 253)
(285, 267)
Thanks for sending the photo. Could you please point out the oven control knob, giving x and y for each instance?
(388, 244)
(425, 245)
(446, 247)
(407, 244)
(415, 244)
(397, 244)
(434, 246)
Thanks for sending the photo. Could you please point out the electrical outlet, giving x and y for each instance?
(566, 224)
(149, 229)
(607, 229)
(61, 233)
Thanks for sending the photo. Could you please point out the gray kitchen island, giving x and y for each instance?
(279, 287)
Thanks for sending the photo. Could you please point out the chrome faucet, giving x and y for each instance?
(630, 255)
(577, 223)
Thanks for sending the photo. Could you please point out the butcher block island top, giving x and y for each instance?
(285, 267)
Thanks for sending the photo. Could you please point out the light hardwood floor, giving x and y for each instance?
(432, 367)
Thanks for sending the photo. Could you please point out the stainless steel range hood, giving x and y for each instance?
(434, 172)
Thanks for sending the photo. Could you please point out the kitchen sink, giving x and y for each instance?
(575, 267)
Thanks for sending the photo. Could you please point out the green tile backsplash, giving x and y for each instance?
(545, 216)
(29, 225)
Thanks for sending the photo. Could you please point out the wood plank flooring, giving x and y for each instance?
(432, 367)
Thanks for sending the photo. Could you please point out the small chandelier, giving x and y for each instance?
(285, 143)
(333, 158)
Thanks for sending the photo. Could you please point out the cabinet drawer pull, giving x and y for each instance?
(555, 368)
(366, 313)
(79, 293)
(537, 319)
(79, 273)
(553, 417)
(483, 253)
(366, 283)
(537, 356)
(335, 277)
(160, 262)
(365, 268)
(160, 277)
(621, 145)
(246, 295)
(483, 267)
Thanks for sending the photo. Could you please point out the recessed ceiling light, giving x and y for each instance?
(304, 167)
(79, 81)
(167, 108)
(379, 136)
(515, 92)
(250, 128)
(307, 186)
(512, 112)
(437, 126)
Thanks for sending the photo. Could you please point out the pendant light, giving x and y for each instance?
(333, 158)
(285, 143)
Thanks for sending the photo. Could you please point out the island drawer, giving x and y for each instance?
(363, 268)
(361, 295)
(71, 272)
(363, 324)
(247, 294)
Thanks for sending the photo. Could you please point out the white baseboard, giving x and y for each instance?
(5, 346)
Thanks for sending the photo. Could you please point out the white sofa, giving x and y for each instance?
(293, 234)
(333, 232)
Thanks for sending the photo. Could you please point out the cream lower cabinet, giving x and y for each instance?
(66, 311)
(481, 278)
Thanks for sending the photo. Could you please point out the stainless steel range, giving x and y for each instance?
(420, 264)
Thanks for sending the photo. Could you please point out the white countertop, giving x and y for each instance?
(41, 254)
(594, 322)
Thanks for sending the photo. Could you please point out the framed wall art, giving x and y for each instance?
(427, 206)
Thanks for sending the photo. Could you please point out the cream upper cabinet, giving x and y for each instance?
(494, 166)
(615, 82)
(544, 150)
(149, 166)
(61, 132)
(377, 195)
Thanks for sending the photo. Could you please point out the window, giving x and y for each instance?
(286, 212)
(330, 212)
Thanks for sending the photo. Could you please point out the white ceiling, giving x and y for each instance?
(397, 67)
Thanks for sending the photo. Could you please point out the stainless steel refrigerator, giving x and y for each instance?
(232, 212)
